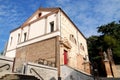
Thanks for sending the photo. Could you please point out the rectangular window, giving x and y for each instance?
(11, 40)
(51, 26)
(25, 36)
(18, 38)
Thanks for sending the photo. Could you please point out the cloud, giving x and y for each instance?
(108, 9)
(86, 14)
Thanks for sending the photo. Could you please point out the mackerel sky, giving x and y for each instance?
(86, 14)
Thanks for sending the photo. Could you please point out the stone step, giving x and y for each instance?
(4, 73)
(18, 77)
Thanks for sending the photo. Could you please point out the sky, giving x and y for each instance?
(86, 14)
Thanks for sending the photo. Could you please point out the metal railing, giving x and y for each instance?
(32, 69)
(5, 66)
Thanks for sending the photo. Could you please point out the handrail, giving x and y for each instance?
(35, 72)
(5, 65)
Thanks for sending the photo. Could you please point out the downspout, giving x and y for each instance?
(59, 76)
(5, 49)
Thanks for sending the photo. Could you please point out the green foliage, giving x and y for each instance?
(110, 41)
(111, 29)
(109, 38)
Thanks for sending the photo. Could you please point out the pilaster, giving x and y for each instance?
(107, 68)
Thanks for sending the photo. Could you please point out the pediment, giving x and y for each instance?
(41, 12)
(66, 43)
(37, 15)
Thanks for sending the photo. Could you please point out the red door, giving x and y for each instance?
(65, 57)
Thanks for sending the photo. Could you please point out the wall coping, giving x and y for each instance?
(6, 58)
(41, 66)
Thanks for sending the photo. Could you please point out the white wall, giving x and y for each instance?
(50, 19)
(11, 53)
(24, 30)
(36, 16)
(12, 44)
(36, 31)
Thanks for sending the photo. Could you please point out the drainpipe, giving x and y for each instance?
(59, 77)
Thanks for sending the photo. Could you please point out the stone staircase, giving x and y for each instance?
(18, 77)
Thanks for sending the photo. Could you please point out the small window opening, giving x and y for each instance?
(39, 15)
(25, 36)
(52, 26)
(18, 38)
(11, 40)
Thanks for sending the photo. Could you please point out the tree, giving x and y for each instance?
(109, 39)
(111, 29)
(93, 47)
(110, 34)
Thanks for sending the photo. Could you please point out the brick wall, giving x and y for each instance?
(45, 49)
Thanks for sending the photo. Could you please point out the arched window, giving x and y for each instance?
(81, 47)
(72, 38)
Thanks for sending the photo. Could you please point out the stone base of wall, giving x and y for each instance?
(118, 70)
(68, 73)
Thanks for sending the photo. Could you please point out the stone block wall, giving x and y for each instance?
(118, 70)
(41, 71)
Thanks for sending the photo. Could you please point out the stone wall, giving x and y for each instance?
(77, 42)
(68, 73)
(6, 65)
(45, 49)
(41, 71)
(118, 70)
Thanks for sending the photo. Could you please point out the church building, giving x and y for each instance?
(49, 37)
